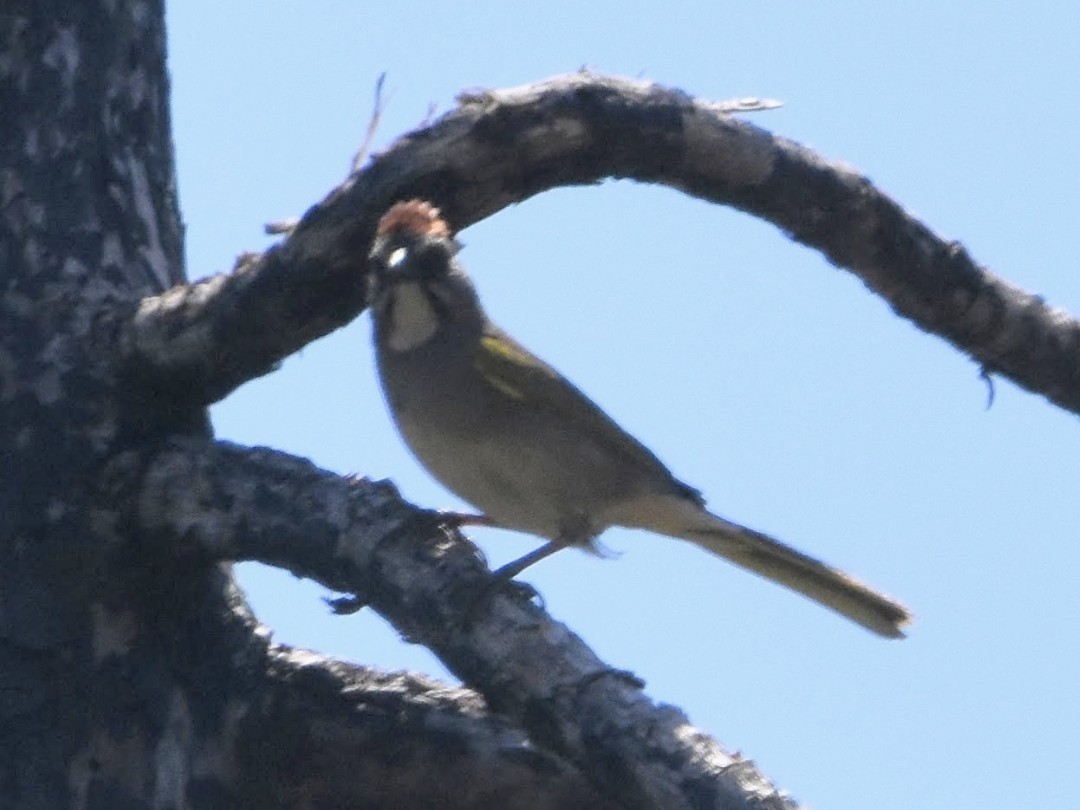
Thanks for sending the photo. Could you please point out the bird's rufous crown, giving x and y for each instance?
(416, 217)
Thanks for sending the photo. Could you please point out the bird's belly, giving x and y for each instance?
(519, 489)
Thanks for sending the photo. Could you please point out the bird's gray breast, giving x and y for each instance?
(524, 463)
(502, 456)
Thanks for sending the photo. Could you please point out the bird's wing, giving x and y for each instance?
(523, 377)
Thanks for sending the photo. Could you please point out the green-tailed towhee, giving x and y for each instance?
(513, 437)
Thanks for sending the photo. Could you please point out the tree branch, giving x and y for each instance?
(326, 734)
(501, 147)
(228, 502)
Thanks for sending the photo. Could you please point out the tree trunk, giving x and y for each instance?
(131, 673)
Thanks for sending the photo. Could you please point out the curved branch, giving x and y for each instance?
(227, 502)
(500, 147)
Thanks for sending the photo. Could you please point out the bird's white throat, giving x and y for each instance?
(413, 319)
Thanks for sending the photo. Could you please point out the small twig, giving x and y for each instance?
(984, 375)
(744, 105)
(430, 116)
(281, 226)
(373, 124)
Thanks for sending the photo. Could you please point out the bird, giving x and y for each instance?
(510, 435)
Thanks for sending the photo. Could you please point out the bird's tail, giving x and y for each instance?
(769, 558)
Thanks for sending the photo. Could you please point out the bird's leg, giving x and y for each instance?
(504, 577)
(573, 532)
(512, 569)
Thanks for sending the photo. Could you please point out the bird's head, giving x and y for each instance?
(416, 284)
(412, 243)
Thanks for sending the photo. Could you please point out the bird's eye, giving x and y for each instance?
(397, 256)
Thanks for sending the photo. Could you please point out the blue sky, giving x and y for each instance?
(769, 379)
